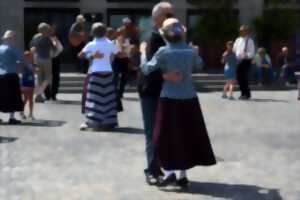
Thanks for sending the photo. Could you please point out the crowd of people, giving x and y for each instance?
(242, 64)
(169, 103)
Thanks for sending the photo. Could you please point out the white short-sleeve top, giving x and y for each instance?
(105, 47)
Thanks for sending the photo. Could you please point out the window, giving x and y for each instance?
(135, 1)
(45, 1)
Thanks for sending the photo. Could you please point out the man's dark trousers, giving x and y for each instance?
(149, 106)
(52, 90)
(120, 67)
(243, 75)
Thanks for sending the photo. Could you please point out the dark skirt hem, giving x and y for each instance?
(180, 135)
(10, 94)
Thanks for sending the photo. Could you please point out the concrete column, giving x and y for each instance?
(13, 18)
(250, 10)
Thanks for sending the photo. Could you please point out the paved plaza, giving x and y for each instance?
(256, 142)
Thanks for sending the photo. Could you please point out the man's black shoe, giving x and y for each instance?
(150, 178)
(244, 98)
(54, 98)
(13, 121)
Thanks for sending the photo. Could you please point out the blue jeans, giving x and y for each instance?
(149, 106)
(289, 75)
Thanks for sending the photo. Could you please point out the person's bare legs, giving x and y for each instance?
(226, 89)
(22, 114)
(231, 88)
(30, 99)
(42, 87)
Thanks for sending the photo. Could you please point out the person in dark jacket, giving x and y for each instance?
(285, 66)
(149, 88)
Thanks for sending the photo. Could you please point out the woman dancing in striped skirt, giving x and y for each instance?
(100, 96)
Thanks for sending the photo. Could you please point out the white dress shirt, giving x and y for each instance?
(105, 47)
(240, 49)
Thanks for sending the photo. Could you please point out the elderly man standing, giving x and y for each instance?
(244, 49)
(78, 37)
(10, 93)
(149, 88)
(42, 45)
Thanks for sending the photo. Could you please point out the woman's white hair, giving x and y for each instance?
(161, 9)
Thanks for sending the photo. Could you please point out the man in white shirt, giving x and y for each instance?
(244, 49)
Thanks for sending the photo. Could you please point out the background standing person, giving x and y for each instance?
(230, 61)
(52, 89)
(286, 67)
(130, 31)
(10, 93)
(244, 49)
(28, 82)
(43, 46)
(149, 88)
(78, 37)
(264, 66)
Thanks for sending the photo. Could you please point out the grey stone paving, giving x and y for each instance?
(256, 142)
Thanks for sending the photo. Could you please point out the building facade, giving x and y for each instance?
(24, 15)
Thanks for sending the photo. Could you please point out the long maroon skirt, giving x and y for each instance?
(180, 135)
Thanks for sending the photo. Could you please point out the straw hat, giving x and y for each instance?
(8, 34)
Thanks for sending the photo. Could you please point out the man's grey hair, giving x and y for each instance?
(98, 30)
(44, 27)
(161, 9)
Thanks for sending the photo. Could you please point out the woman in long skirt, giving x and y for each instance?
(10, 92)
(180, 135)
(100, 107)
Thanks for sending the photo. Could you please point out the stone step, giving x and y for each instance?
(73, 83)
(200, 87)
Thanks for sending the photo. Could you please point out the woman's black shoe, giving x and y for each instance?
(170, 180)
(183, 182)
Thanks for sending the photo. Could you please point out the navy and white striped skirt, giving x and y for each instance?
(100, 103)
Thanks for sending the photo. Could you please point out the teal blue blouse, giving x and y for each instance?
(175, 57)
(9, 56)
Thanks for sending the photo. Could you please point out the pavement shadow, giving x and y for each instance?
(128, 130)
(40, 123)
(269, 100)
(67, 102)
(228, 191)
(4, 140)
(134, 99)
